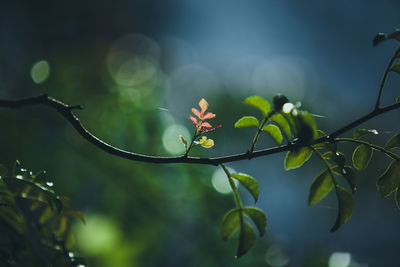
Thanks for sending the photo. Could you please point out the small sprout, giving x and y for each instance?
(183, 140)
(204, 142)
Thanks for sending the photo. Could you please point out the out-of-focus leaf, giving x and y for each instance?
(396, 68)
(361, 157)
(247, 238)
(389, 181)
(296, 158)
(274, 132)
(346, 207)
(279, 100)
(75, 213)
(46, 215)
(249, 183)
(398, 100)
(320, 187)
(306, 126)
(361, 132)
(393, 142)
(247, 121)
(258, 102)
(380, 37)
(230, 223)
(282, 123)
(258, 217)
(398, 198)
(3, 170)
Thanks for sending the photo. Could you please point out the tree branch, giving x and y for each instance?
(66, 111)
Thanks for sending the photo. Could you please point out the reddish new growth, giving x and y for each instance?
(201, 125)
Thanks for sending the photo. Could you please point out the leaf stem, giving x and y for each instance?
(236, 195)
(385, 76)
(326, 164)
(376, 147)
(255, 139)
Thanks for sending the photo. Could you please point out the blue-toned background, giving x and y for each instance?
(138, 67)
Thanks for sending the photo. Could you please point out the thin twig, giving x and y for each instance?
(66, 111)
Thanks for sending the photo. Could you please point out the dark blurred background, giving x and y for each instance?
(138, 67)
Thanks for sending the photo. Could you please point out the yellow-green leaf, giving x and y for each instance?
(398, 100)
(320, 187)
(258, 217)
(393, 142)
(208, 143)
(274, 132)
(247, 238)
(296, 158)
(282, 123)
(230, 223)
(247, 121)
(258, 102)
(346, 207)
(361, 132)
(389, 181)
(248, 182)
(362, 156)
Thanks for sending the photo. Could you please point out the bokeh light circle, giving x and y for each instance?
(220, 182)
(170, 139)
(40, 71)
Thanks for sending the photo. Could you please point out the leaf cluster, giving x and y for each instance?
(35, 221)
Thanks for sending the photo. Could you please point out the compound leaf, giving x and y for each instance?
(389, 181)
(346, 207)
(274, 131)
(230, 223)
(296, 158)
(280, 120)
(247, 121)
(361, 157)
(247, 238)
(258, 217)
(259, 103)
(249, 183)
(393, 142)
(320, 187)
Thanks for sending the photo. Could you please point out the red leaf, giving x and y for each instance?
(208, 115)
(194, 120)
(196, 112)
(206, 124)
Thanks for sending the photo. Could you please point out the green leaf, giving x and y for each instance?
(396, 68)
(346, 207)
(230, 223)
(393, 142)
(247, 121)
(361, 132)
(249, 183)
(296, 158)
(274, 132)
(398, 100)
(361, 157)
(320, 187)
(3, 170)
(247, 238)
(258, 217)
(282, 123)
(389, 181)
(348, 173)
(398, 198)
(258, 102)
